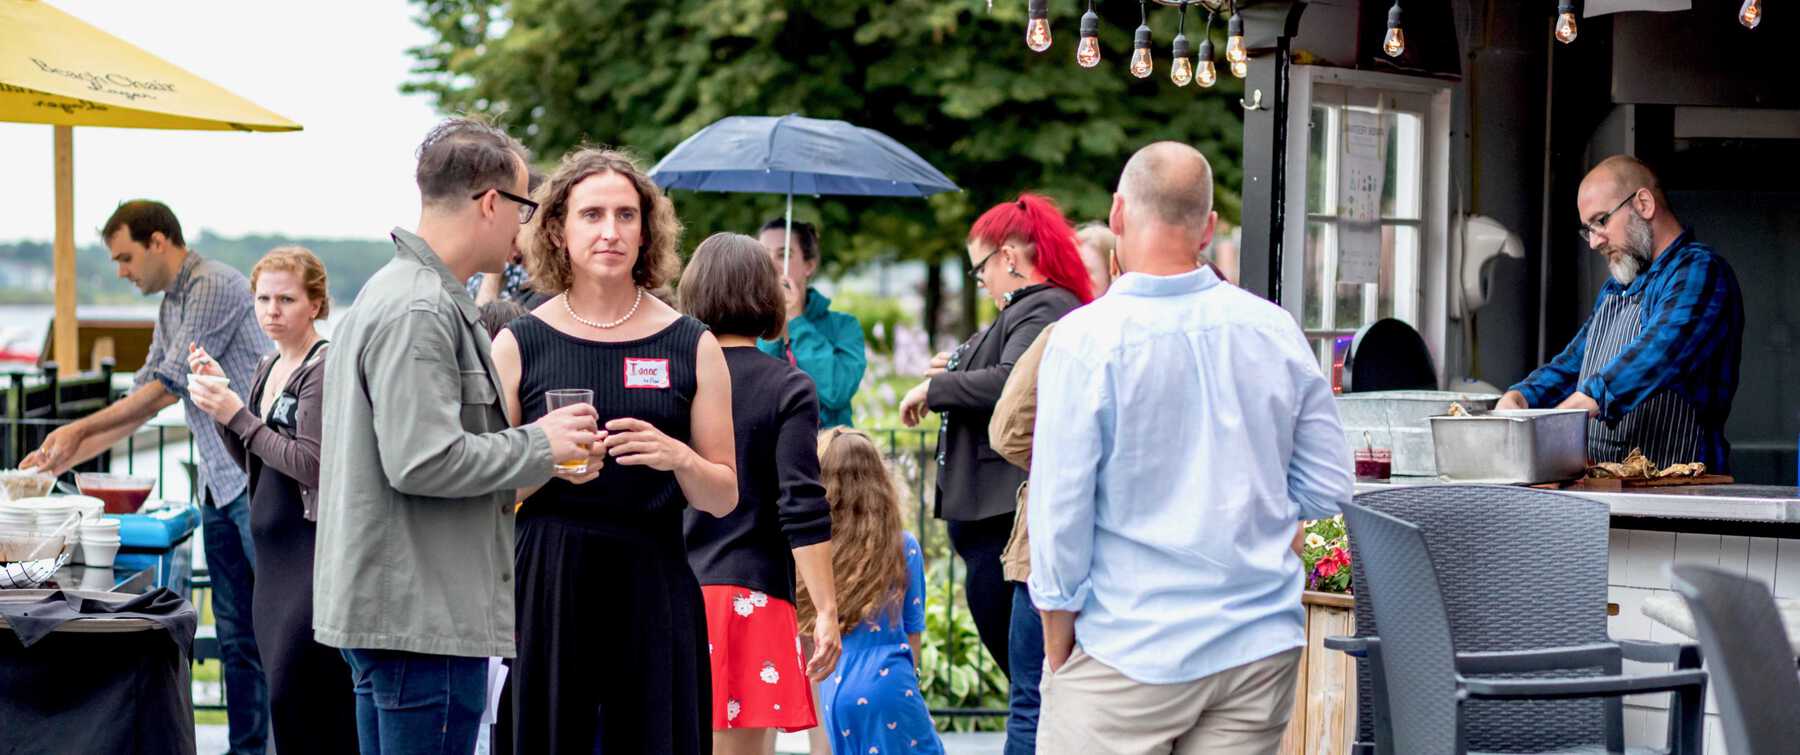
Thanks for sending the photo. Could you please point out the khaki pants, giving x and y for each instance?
(1090, 708)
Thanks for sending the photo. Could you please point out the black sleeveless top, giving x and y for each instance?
(652, 379)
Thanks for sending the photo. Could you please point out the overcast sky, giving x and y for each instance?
(334, 66)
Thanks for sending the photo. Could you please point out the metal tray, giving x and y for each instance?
(1518, 446)
(1400, 421)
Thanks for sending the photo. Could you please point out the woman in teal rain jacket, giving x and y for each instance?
(824, 344)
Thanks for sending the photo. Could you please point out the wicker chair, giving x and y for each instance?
(1748, 656)
(1524, 577)
(1432, 700)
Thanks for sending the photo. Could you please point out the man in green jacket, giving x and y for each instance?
(826, 345)
(419, 469)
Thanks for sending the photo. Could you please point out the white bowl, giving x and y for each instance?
(90, 507)
(218, 380)
(52, 516)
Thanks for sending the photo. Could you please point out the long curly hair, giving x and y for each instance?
(1035, 223)
(546, 258)
(868, 558)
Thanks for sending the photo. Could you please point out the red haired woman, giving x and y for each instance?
(1024, 254)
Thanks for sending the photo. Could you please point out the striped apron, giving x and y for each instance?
(1665, 426)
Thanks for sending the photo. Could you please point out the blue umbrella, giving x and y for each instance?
(789, 154)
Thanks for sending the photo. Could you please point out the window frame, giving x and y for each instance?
(1427, 306)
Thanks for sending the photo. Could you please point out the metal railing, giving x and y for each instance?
(19, 437)
(911, 453)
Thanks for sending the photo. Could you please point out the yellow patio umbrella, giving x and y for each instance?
(59, 70)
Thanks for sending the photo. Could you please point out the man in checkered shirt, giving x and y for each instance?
(206, 304)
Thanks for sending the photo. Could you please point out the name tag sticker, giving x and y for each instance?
(646, 373)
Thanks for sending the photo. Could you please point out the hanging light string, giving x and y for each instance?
(1141, 64)
(1236, 53)
(1037, 25)
(1394, 44)
(1565, 21)
(1208, 74)
(1087, 53)
(1750, 14)
(1181, 69)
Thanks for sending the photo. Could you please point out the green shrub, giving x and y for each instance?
(871, 311)
(954, 668)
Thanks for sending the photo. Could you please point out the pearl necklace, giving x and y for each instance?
(604, 325)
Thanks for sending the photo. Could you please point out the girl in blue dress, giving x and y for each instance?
(871, 705)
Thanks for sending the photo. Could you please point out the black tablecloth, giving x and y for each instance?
(99, 692)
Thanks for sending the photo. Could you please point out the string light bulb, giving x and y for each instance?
(1234, 44)
(1141, 65)
(1208, 74)
(1395, 42)
(1565, 21)
(1181, 69)
(1087, 53)
(1750, 15)
(1037, 25)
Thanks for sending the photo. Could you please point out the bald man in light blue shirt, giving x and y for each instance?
(1183, 428)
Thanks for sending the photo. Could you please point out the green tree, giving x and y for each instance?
(948, 78)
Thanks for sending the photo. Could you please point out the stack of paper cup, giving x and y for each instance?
(98, 579)
(99, 541)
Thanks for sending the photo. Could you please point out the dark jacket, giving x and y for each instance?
(974, 482)
(296, 453)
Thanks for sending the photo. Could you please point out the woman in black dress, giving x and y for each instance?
(612, 626)
(276, 439)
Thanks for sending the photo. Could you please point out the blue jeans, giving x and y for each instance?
(230, 564)
(412, 703)
(1026, 639)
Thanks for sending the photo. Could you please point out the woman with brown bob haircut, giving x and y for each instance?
(747, 560)
(611, 623)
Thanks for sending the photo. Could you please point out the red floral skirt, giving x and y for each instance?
(758, 676)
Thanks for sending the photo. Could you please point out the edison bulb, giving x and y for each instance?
(1240, 68)
(1140, 63)
(1037, 34)
(1209, 74)
(1395, 43)
(1088, 52)
(1751, 14)
(1565, 28)
(1181, 71)
(1234, 49)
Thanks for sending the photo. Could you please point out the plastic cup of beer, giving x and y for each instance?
(558, 399)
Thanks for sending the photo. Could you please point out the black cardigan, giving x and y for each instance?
(974, 482)
(781, 504)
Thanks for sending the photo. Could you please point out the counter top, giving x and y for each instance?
(1735, 503)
